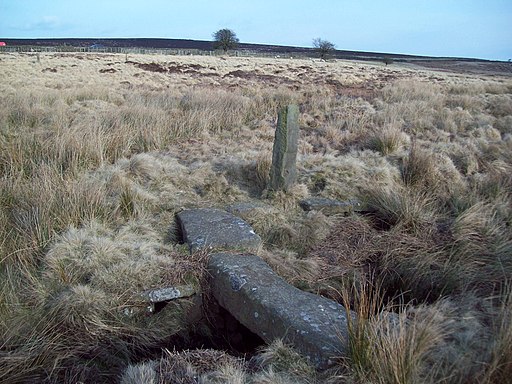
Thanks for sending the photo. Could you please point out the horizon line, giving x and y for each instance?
(426, 56)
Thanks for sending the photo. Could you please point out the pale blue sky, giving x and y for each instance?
(464, 28)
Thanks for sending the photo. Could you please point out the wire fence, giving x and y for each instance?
(298, 54)
(148, 51)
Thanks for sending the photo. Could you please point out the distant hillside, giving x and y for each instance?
(208, 46)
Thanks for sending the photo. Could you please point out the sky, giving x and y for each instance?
(456, 28)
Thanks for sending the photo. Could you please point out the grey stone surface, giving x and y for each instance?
(145, 301)
(283, 172)
(267, 305)
(358, 205)
(167, 293)
(208, 228)
(327, 206)
(243, 208)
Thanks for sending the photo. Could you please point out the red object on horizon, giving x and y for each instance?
(2, 44)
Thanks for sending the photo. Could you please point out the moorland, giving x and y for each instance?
(98, 152)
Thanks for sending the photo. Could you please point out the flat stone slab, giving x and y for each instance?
(159, 295)
(245, 207)
(209, 228)
(270, 307)
(330, 206)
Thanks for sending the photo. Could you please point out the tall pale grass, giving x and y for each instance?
(406, 209)
(49, 142)
(92, 175)
(387, 140)
(386, 347)
(499, 367)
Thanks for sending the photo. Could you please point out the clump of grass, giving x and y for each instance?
(495, 184)
(419, 168)
(426, 171)
(88, 299)
(504, 125)
(386, 347)
(217, 188)
(388, 140)
(467, 102)
(189, 366)
(410, 106)
(414, 267)
(276, 363)
(466, 160)
(482, 244)
(291, 230)
(280, 363)
(365, 303)
(34, 211)
(263, 165)
(141, 373)
(287, 200)
(409, 90)
(466, 88)
(128, 206)
(500, 105)
(499, 367)
(296, 270)
(402, 348)
(348, 247)
(453, 121)
(395, 206)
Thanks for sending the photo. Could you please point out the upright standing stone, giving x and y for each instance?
(283, 173)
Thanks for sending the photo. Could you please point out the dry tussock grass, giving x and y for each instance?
(94, 165)
(388, 140)
(276, 363)
(385, 347)
(187, 367)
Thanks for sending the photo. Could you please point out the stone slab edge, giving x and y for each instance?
(263, 302)
(209, 228)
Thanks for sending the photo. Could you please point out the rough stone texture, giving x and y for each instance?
(326, 206)
(283, 172)
(268, 306)
(145, 301)
(329, 206)
(358, 205)
(242, 208)
(168, 293)
(208, 228)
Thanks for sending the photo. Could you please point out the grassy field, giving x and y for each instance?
(98, 153)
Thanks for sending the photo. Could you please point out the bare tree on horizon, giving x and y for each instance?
(323, 47)
(225, 39)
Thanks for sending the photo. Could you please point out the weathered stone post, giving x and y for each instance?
(283, 172)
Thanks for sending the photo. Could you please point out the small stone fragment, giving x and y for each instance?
(245, 208)
(168, 293)
(327, 206)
